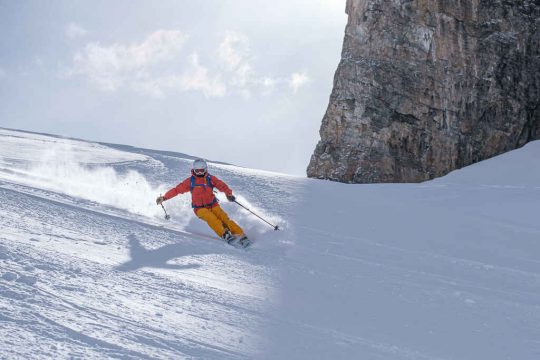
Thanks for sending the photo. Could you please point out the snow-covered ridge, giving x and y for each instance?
(17, 146)
(515, 168)
(447, 269)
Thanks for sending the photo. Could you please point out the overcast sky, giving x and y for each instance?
(245, 82)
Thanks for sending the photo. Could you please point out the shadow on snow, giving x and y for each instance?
(157, 258)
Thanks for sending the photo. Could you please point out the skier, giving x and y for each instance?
(205, 204)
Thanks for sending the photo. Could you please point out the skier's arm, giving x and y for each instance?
(221, 186)
(181, 188)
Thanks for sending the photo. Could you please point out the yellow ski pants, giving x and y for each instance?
(218, 220)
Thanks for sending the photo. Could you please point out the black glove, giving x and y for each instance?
(231, 198)
(159, 200)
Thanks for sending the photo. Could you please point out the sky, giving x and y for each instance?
(244, 82)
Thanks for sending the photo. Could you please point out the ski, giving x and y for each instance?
(242, 243)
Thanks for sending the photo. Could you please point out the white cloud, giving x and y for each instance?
(297, 80)
(197, 78)
(234, 52)
(268, 84)
(137, 66)
(234, 49)
(155, 67)
(74, 30)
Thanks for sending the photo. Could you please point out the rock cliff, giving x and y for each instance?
(428, 86)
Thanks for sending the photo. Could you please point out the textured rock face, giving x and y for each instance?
(428, 86)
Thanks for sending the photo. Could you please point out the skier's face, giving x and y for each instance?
(199, 172)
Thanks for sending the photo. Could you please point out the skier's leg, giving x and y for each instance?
(212, 220)
(231, 225)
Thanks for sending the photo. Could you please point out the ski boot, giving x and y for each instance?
(228, 237)
(244, 241)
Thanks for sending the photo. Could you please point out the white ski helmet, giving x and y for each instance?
(200, 168)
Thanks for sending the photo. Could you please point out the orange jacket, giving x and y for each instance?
(201, 196)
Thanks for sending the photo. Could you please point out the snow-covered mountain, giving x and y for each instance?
(447, 269)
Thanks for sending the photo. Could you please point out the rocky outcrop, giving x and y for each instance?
(428, 86)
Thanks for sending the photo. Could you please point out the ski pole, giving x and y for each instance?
(167, 216)
(274, 226)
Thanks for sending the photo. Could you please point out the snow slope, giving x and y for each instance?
(447, 269)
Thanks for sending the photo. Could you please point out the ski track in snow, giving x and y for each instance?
(447, 269)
